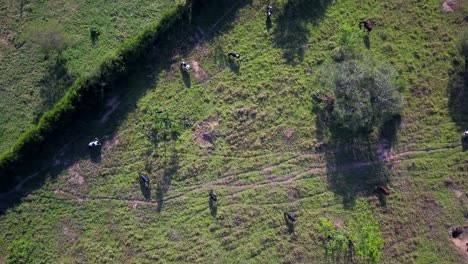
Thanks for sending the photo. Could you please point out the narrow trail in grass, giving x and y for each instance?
(225, 183)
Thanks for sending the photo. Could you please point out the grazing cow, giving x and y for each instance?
(383, 190)
(367, 25)
(94, 144)
(290, 217)
(234, 55)
(185, 66)
(213, 196)
(269, 11)
(144, 179)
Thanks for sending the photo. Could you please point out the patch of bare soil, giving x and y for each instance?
(289, 135)
(205, 132)
(459, 237)
(110, 143)
(200, 74)
(449, 5)
(76, 178)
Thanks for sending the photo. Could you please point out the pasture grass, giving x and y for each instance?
(264, 154)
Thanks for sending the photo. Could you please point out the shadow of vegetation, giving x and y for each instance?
(458, 93)
(70, 143)
(145, 190)
(356, 164)
(289, 224)
(170, 171)
(292, 32)
(366, 41)
(55, 82)
(213, 207)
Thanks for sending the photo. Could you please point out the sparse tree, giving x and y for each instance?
(365, 96)
(49, 37)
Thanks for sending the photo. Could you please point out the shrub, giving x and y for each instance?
(20, 252)
(365, 96)
(49, 37)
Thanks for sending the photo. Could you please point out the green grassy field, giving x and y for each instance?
(248, 130)
(31, 82)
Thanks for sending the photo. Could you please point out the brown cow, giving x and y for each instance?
(383, 190)
(367, 25)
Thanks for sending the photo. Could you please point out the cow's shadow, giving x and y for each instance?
(289, 224)
(186, 78)
(145, 190)
(95, 155)
(213, 207)
(234, 66)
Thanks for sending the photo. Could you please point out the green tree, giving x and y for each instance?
(365, 96)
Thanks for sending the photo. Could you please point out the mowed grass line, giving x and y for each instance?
(266, 131)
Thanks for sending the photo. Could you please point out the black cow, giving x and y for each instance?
(144, 179)
(213, 196)
(234, 55)
(367, 25)
(269, 11)
(290, 217)
(94, 144)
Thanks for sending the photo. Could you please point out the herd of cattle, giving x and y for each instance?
(96, 144)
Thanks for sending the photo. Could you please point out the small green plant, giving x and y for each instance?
(20, 252)
(335, 240)
(348, 39)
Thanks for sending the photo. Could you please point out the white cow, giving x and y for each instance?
(94, 144)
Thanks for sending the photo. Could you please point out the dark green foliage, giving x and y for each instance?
(365, 96)
(86, 92)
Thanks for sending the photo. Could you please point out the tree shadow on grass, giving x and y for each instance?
(356, 164)
(170, 171)
(292, 32)
(70, 142)
(458, 93)
(55, 83)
